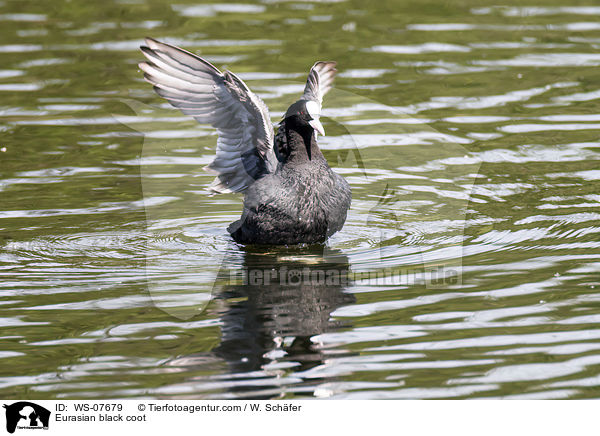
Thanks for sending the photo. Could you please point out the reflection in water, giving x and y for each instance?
(272, 308)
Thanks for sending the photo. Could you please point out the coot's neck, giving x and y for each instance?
(299, 140)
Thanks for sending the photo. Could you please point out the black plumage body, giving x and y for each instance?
(303, 201)
(291, 194)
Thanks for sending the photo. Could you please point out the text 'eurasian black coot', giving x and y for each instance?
(291, 194)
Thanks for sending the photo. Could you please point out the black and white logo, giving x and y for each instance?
(26, 415)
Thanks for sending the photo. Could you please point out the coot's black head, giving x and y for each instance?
(303, 117)
(305, 114)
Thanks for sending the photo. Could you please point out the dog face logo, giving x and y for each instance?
(26, 415)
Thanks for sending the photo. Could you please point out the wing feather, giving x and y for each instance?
(319, 81)
(199, 89)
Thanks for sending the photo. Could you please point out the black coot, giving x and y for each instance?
(291, 194)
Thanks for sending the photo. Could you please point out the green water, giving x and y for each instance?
(468, 131)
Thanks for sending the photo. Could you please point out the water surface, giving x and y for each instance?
(469, 134)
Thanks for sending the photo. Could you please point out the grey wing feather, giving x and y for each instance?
(197, 88)
(319, 81)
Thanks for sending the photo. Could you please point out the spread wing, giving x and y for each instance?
(319, 81)
(197, 88)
